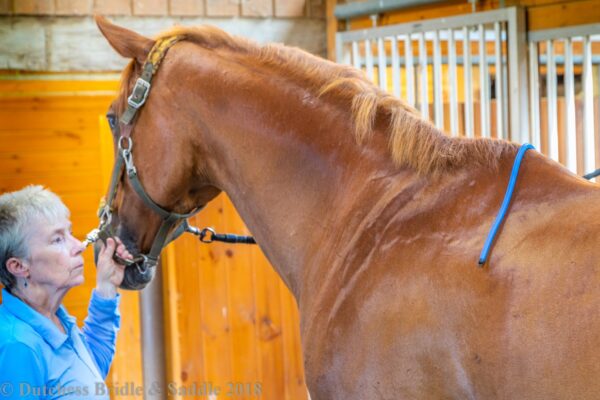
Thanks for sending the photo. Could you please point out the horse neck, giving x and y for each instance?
(291, 165)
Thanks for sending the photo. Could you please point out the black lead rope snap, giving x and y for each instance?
(208, 235)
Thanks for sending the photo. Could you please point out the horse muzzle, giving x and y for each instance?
(138, 272)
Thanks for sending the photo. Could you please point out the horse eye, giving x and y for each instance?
(112, 121)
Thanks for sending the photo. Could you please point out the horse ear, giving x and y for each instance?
(127, 43)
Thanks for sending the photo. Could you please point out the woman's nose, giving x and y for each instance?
(78, 246)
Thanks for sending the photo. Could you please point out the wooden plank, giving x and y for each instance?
(332, 28)
(60, 119)
(68, 183)
(43, 86)
(216, 328)
(57, 103)
(563, 14)
(40, 161)
(242, 309)
(24, 140)
(293, 369)
(270, 329)
(171, 316)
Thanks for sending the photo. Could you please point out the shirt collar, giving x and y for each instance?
(41, 324)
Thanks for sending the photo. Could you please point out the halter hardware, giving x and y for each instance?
(124, 160)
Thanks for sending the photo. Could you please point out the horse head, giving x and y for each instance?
(165, 166)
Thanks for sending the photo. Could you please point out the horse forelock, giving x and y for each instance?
(413, 141)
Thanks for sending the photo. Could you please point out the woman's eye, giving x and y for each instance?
(58, 239)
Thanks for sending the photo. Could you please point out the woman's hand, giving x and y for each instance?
(109, 273)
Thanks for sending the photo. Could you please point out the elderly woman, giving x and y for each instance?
(43, 353)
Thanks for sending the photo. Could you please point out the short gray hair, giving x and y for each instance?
(18, 211)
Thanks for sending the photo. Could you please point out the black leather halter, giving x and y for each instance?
(124, 161)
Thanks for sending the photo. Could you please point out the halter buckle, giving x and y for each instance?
(140, 92)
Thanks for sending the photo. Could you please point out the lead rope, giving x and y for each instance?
(505, 203)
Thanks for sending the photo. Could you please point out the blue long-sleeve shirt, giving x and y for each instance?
(38, 361)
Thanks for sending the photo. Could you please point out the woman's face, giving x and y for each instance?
(55, 260)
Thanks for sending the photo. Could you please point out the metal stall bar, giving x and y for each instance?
(381, 64)
(453, 83)
(517, 72)
(534, 94)
(369, 60)
(570, 59)
(355, 55)
(571, 126)
(410, 70)
(395, 67)
(499, 84)
(514, 19)
(589, 160)
(483, 84)
(468, 83)
(551, 102)
(423, 77)
(438, 95)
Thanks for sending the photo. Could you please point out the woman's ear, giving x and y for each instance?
(17, 267)
(127, 43)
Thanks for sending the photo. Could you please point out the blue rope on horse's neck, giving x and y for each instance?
(505, 203)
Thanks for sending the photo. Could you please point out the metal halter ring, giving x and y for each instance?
(129, 144)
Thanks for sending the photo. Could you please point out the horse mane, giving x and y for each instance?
(413, 141)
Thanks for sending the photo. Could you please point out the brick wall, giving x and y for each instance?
(193, 8)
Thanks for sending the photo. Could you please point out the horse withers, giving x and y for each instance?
(374, 219)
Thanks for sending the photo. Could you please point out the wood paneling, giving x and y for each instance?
(563, 14)
(49, 136)
(229, 318)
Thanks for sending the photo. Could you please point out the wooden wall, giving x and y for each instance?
(228, 317)
(49, 136)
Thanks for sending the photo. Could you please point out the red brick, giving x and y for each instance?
(257, 8)
(186, 7)
(112, 7)
(73, 7)
(5, 7)
(150, 7)
(36, 7)
(223, 8)
(290, 8)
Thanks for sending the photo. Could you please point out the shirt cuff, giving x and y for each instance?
(103, 302)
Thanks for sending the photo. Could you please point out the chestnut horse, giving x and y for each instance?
(375, 220)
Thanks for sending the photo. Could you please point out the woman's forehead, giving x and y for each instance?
(45, 226)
